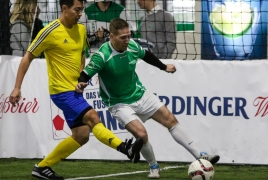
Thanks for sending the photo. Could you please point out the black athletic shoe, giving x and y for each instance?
(131, 150)
(45, 173)
(134, 149)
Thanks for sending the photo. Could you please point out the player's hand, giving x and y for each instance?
(80, 87)
(102, 33)
(15, 96)
(170, 68)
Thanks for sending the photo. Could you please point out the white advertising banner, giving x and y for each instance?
(221, 104)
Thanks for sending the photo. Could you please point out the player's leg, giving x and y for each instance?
(148, 154)
(91, 118)
(80, 134)
(146, 107)
(66, 147)
(167, 119)
(74, 108)
(138, 130)
(127, 117)
(61, 151)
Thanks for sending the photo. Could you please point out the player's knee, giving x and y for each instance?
(81, 135)
(143, 135)
(173, 120)
(81, 138)
(84, 140)
(91, 118)
(169, 121)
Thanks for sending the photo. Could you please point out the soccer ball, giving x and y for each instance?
(201, 169)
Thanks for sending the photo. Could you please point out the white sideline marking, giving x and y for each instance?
(126, 173)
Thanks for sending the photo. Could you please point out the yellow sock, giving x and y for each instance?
(105, 136)
(61, 151)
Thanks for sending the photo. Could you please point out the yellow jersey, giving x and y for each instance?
(63, 48)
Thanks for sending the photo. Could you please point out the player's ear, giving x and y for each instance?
(64, 7)
(112, 35)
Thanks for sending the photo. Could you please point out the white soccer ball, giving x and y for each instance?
(201, 169)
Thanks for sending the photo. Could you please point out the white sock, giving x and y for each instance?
(183, 139)
(148, 153)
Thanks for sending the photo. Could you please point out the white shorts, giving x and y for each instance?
(143, 109)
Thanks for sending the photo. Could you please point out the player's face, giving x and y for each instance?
(74, 13)
(121, 40)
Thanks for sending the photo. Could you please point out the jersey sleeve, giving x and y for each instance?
(42, 42)
(95, 64)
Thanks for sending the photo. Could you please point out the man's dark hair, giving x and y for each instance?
(69, 3)
(117, 24)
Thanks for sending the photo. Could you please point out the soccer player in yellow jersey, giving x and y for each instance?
(63, 42)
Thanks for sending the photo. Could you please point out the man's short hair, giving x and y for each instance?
(118, 24)
(69, 3)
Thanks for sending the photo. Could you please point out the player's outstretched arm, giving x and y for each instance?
(23, 67)
(150, 58)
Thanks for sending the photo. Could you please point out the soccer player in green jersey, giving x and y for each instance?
(125, 96)
(63, 41)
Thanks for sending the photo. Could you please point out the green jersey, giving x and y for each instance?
(94, 18)
(118, 80)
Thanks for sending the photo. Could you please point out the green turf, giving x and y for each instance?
(20, 169)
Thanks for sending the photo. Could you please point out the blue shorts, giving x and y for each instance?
(73, 105)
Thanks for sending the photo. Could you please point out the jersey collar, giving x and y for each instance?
(115, 51)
